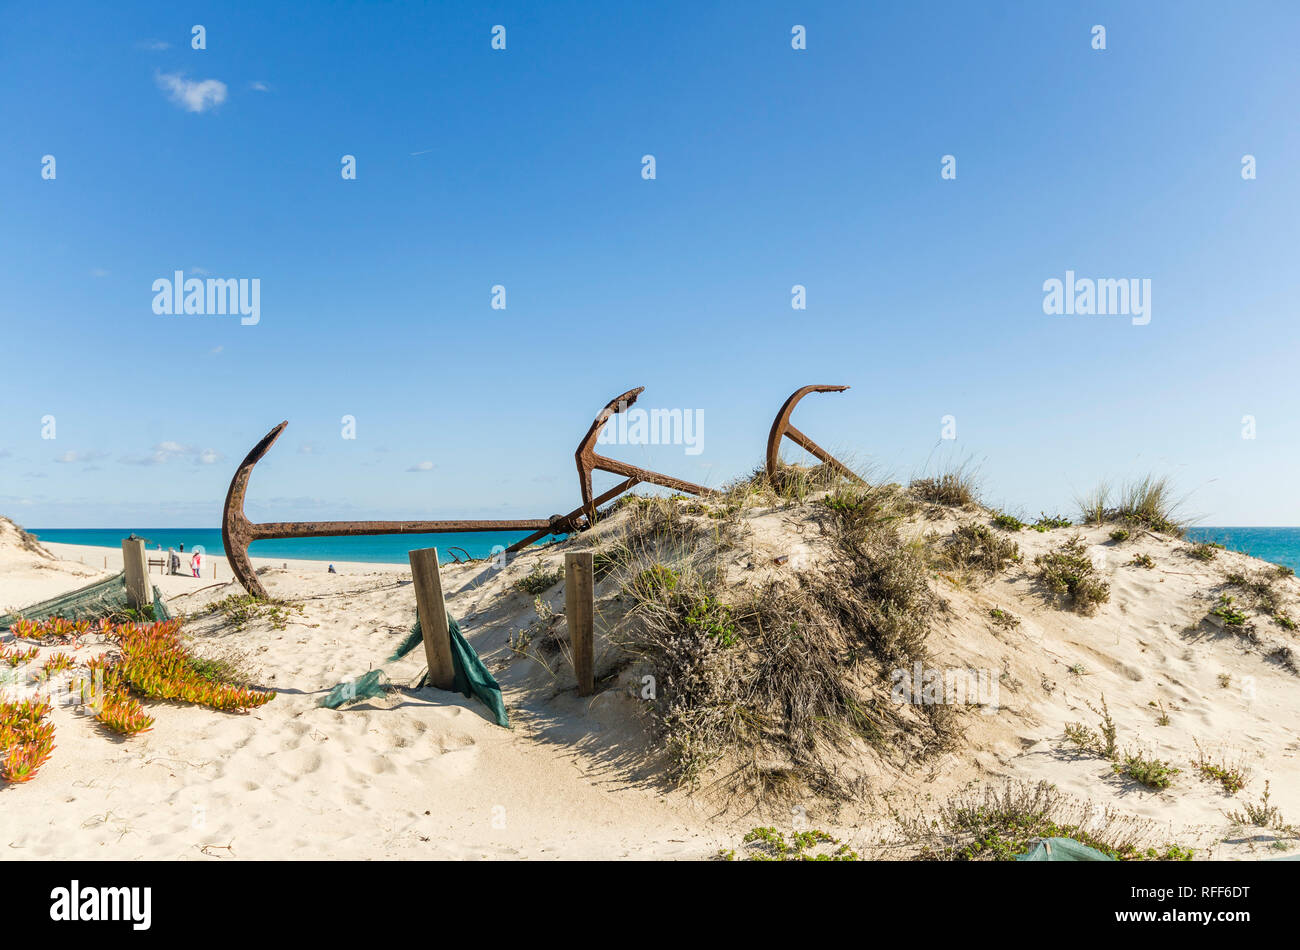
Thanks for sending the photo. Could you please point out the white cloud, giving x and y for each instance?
(165, 452)
(195, 96)
(68, 458)
(153, 46)
(98, 272)
(421, 467)
(259, 87)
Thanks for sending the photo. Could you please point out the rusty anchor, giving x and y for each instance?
(781, 428)
(237, 532)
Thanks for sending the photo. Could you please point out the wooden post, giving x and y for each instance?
(580, 609)
(138, 593)
(432, 610)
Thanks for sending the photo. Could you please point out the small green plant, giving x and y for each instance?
(1007, 522)
(714, 619)
(1119, 535)
(1047, 522)
(1225, 680)
(539, 580)
(1224, 610)
(1069, 572)
(1153, 773)
(1101, 741)
(242, 609)
(1163, 718)
(1204, 552)
(1078, 669)
(768, 844)
(1142, 560)
(1233, 778)
(1263, 814)
(1004, 619)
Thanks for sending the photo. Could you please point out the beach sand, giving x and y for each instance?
(422, 773)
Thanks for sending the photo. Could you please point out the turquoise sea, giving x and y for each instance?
(1279, 545)
(385, 549)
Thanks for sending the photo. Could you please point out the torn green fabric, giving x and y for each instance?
(1062, 849)
(101, 599)
(472, 677)
(366, 686)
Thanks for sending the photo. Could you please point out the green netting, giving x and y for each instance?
(1062, 849)
(472, 678)
(104, 598)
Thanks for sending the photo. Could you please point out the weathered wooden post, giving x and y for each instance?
(138, 592)
(432, 610)
(580, 610)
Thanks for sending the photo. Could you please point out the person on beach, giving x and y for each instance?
(196, 563)
(173, 561)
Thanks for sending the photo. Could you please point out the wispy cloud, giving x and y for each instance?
(153, 46)
(421, 467)
(98, 272)
(71, 458)
(165, 452)
(193, 95)
(258, 86)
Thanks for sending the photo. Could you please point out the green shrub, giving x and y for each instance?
(1069, 573)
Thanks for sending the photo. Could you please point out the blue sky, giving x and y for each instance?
(522, 167)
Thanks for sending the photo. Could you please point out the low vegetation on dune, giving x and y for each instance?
(145, 661)
(1145, 503)
(957, 487)
(1070, 574)
(779, 677)
(998, 824)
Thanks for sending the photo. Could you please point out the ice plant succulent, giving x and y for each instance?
(26, 739)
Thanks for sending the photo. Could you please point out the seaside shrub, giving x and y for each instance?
(1119, 535)
(779, 678)
(242, 609)
(1003, 618)
(1007, 522)
(1233, 777)
(1142, 560)
(1204, 552)
(991, 824)
(1069, 573)
(1153, 773)
(1262, 589)
(1102, 741)
(1229, 614)
(1047, 522)
(539, 580)
(955, 488)
(975, 546)
(1263, 814)
(768, 844)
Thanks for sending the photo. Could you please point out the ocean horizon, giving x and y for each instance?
(380, 549)
(1280, 545)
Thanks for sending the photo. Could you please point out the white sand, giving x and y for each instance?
(423, 773)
